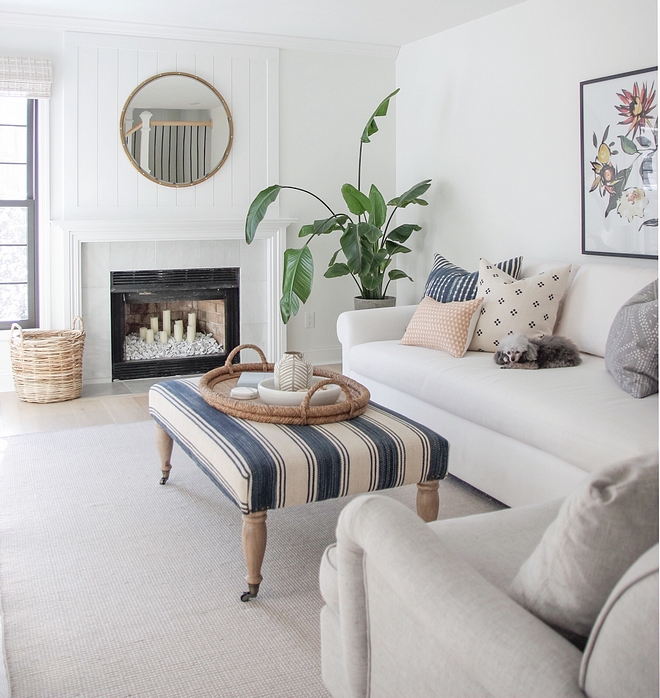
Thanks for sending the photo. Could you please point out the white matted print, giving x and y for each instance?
(619, 137)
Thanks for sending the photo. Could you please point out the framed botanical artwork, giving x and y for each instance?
(619, 135)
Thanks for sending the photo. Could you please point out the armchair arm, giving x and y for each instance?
(416, 619)
(361, 326)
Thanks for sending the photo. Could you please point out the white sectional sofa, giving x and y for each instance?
(523, 437)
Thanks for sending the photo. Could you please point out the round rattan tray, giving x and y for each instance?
(215, 386)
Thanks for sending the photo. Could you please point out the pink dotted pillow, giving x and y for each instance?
(445, 326)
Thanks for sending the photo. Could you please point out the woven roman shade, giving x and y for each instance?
(25, 77)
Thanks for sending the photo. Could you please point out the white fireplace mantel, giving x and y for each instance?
(74, 233)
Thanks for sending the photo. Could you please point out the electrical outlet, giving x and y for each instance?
(309, 320)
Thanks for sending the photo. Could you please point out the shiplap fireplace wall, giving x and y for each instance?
(115, 219)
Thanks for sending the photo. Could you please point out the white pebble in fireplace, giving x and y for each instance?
(137, 349)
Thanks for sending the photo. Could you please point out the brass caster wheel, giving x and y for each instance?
(251, 594)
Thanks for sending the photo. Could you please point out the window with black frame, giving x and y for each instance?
(18, 255)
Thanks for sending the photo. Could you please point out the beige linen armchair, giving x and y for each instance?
(420, 610)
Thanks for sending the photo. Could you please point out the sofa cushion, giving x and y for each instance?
(594, 299)
(446, 282)
(631, 352)
(578, 414)
(529, 306)
(445, 326)
(602, 527)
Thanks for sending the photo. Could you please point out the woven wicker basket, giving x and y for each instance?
(47, 364)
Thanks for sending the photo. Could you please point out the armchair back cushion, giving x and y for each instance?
(603, 526)
(621, 657)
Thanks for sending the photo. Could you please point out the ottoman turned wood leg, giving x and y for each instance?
(164, 444)
(254, 548)
(428, 501)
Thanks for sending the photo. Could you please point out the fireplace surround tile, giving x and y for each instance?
(228, 254)
(125, 256)
(179, 254)
(95, 265)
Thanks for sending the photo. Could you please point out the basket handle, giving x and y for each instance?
(15, 326)
(73, 324)
(262, 356)
(304, 406)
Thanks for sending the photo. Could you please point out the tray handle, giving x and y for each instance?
(304, 406)
(262, 356)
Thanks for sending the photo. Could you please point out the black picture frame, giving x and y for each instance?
(619, 162)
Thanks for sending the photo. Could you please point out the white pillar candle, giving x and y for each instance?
(154, 324)
(150, 336)
(143, 333)
(179, 322)
(192, 321)
(163, 337)
(167, 326)
(178, 332)
(191, 334)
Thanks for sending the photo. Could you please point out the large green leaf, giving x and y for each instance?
(324, 225)
(357, 202)
(258, 209)
(369, 232)
(371, 126)
(412, 195)
(352, 249)
(402, 232)
(398, 274)
(306, 231)
(289, 305)
(335, 270)
(378, 207)
(395, 248)
(297, 280)
(372, 281)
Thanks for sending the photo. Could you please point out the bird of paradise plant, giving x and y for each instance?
(366, 242)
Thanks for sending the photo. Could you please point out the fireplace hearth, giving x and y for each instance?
(145, 304)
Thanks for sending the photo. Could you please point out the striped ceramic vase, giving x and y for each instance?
(292, 372)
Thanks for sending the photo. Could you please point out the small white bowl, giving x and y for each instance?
(327, 395)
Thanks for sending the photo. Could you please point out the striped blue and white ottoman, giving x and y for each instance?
(262, 466)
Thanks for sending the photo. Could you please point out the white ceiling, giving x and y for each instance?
(384, 22)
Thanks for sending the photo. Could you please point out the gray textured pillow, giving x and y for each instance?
(603, 526)
(631, 352)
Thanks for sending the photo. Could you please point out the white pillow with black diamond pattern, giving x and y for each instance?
(528, 306)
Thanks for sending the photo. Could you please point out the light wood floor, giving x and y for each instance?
(112, 403)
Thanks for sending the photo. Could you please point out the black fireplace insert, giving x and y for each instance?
(146, 307)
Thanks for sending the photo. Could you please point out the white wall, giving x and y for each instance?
(325, 97)
(490, 110)
(325, 102)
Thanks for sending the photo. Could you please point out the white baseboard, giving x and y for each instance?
(320, 357)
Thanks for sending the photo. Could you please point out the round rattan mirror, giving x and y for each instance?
(176, 129)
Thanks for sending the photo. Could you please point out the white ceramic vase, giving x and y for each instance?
(292, 372)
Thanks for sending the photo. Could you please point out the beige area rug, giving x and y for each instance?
(113, 585)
